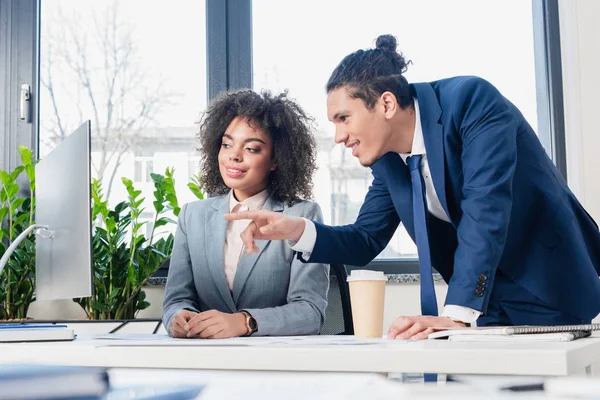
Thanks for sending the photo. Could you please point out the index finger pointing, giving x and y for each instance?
(242, 215)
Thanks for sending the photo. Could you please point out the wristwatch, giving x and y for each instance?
(251, 325)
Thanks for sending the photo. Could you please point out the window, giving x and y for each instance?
(193, 167)
(492, 39)
(294, 45)
(121, 65)
(143, 169)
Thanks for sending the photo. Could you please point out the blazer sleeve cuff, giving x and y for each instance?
(264, 321)
(307, 241)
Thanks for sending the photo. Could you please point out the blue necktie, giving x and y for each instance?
(428, 300)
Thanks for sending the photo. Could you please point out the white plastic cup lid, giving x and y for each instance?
(366, 275)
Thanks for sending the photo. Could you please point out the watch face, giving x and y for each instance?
(252, 324)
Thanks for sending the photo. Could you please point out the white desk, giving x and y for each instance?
(305, 385)
(539, 359)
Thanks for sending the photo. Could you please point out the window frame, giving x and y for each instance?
(19, 61)
(549, 84)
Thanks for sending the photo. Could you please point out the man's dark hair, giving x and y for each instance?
(368, 73)
(290, 129)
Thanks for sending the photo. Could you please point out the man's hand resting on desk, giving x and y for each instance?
(214, 324)
(268, 225)
(419, 327)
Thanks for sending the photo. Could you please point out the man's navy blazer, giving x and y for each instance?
(509, 207)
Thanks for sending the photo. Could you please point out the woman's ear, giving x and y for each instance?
(273, 167)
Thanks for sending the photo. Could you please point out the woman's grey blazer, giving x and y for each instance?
(284, 295)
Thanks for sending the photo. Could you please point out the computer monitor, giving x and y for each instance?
(63, 202)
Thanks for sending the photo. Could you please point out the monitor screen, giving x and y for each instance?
(63, 202)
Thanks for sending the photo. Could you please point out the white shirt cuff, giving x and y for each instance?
(306, 243)
(460, 313)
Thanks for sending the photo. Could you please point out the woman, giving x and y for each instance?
(257, 153)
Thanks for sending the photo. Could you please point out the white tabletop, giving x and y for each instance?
(539, 359)
(267, 385)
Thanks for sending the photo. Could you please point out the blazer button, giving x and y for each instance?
(482, 277)
(479, 292)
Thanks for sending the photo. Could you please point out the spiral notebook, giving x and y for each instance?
(576, 331)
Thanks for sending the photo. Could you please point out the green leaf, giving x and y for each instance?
(26, 155)
(30, 170)
(158, 206)
(195, 189)
(157, 178)
(159, 223)
(27, 204)
(160, 253)
(142, 305)
(21, 218)
(114, 293)
(5, 177)
(121, 206)
(99, 306)
(12, 189)
(163, 221)
(17, 203)
(16, 172)
(3, 213)
(172, 200)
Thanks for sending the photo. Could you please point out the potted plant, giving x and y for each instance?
(17, 281)
(124, 259)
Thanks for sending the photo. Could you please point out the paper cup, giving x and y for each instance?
(367, 295)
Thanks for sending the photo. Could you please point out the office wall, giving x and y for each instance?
(580, 47)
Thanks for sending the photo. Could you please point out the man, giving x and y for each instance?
(458, 164)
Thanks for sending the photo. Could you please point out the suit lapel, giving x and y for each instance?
(247, 262)
(433, 135)
(216, 230)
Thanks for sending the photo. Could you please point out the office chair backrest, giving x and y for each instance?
(338, 314)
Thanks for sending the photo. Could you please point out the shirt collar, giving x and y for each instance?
(255, 202)
(418, 145)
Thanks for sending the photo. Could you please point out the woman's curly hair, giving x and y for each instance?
(294, 146)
